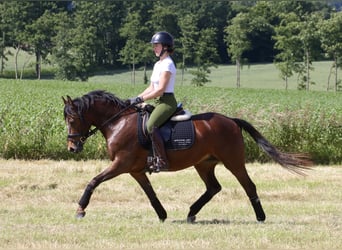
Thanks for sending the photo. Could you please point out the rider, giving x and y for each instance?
(161, 87)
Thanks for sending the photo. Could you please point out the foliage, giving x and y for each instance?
(331, 37)
(200, 75)
(96, 33)
(237, 41)
(136, 50)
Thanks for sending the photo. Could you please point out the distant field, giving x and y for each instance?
(39, 200)
(259, 76)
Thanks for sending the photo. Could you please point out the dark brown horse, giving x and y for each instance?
(217, 139)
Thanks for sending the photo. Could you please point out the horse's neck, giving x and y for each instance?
(105, 115)
(100, 115)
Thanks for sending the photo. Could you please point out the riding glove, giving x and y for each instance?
(136, 100)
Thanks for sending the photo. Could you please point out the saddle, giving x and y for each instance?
(178, 132)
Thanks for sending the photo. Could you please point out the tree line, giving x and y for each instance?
(80, 37)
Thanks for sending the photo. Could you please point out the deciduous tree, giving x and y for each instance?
(237, 41)
(331, 37)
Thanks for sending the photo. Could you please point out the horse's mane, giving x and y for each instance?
(86, 101)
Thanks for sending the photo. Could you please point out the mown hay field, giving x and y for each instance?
(39, 199)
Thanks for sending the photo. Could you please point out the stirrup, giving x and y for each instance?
(154, 164)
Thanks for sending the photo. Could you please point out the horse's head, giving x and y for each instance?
(96, 108)
(78, 128)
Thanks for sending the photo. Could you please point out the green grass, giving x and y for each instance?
(39, 200)
(32, 125)
(256, 76)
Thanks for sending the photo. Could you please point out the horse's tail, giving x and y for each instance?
(294, 162)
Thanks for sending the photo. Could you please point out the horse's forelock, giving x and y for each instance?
(69, 109)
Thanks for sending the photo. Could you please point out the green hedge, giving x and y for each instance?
(32, 125)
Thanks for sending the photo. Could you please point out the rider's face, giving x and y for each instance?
(157, 48)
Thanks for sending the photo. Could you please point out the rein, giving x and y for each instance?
(93, 131)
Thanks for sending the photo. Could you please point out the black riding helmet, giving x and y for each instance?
(164, 38)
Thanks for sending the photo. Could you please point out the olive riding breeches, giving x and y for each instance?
(166, 106)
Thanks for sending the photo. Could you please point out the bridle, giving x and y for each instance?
(84, 137)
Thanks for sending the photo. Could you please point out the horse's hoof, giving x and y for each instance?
(191, 219)
(80, 215)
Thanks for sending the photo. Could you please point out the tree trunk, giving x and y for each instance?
(145, 74)
(38, 64)
(133, 69)
(183, 68)
(307, 70)
(238, 69)
(336, 81)
(16, 61)
(330, 73)
(286, 76)
(286, 83)
(2, 66)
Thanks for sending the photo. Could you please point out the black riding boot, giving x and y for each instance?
(160, 160)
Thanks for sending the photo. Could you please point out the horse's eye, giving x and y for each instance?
(71, 120)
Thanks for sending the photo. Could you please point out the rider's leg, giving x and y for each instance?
(165, 107)
(158, 147)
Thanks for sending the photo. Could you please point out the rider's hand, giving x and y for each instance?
(136, 100)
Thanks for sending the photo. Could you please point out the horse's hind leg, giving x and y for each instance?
(206, 171)
(240, 172)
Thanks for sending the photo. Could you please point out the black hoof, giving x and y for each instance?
(191, 219)
(80, 215)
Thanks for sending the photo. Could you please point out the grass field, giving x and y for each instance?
(39, 199)
(259, 76)
(32, 124)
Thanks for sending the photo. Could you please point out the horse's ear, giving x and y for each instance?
(68, 100)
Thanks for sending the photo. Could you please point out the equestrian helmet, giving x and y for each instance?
(163, 37)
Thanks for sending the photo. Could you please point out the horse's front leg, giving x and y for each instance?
(144, 182)
(107, 174)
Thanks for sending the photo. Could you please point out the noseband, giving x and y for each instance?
(83, 138)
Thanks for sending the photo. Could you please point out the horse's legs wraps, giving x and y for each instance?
(259, 212)
(84, 201)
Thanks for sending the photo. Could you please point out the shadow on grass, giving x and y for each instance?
(235, 222)
(204, 222)
(239, 222)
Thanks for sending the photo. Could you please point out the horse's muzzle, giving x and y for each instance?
(75, 147)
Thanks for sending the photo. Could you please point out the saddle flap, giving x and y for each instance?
(177, 135)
